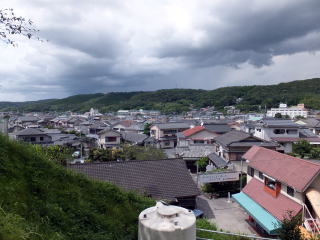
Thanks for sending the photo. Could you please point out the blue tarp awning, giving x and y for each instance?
(268, 222)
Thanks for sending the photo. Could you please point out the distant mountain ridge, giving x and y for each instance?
(246, 98)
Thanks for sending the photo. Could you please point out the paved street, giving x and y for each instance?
(228, 216)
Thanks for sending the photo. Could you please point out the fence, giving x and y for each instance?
(252, 237)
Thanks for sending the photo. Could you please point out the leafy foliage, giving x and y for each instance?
(127, 152)
(302, 148)
(254, 98)
(290, 227)
(40, 196)
(10, 25)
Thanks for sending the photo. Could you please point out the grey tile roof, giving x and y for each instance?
(30, 132)
(133, 137)
(175, 125)
(232, 136)
(195, 151)
(161, 179)
(217, 128)
(29, 119)
(218, 161)
(279, 123)
(311, 122)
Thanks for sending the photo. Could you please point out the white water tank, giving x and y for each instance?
(167, 222)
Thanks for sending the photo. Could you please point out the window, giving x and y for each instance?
(250, 171)
(270, 183)
(258, 129)
(32, 139)
(198, 141)
(290, 191)
(41, 138)
(111, 139)
(260, 175)
(292, 131)
(279, 131)
(167, 143)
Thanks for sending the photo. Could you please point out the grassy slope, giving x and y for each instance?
(170, 100)
(59, 204)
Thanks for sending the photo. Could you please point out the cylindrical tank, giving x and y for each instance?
(167, 222)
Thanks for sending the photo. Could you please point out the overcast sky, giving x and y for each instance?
(129, 45)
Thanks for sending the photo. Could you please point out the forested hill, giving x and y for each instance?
(179, 100)
(41, 200)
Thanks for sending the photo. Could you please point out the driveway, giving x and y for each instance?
(228, 216)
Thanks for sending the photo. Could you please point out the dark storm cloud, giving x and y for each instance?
(253, 35)
(101, 46)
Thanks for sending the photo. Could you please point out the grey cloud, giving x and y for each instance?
(252, 35)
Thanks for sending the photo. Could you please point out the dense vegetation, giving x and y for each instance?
(126, 152)
(42, 200)
(180, 100)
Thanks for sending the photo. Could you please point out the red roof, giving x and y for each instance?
(277, 207)
(192, 131)
(295, 172)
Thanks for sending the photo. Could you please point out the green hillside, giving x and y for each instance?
(41, 200)
(180, 100)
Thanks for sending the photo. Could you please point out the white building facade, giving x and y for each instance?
(292, 112)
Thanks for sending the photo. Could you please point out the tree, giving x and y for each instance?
(146, 129)
(278, 115)
(315, 153)
(302, 148)
(11, 25)
(290, 227)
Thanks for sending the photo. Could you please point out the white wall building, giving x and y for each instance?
(292, 112)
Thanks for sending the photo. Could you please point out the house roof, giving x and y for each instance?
(30, 131)
(217, 128)
(218, 161)
(162, 179)
(278, 207)
(109, 130)
(189, 132)
(133, 137)
(311, 122)
(232, 136)
(278, 123)
(295, 172)
(194, 151)
(173, 125)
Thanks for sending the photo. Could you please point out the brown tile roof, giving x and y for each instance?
(192, 131)
(161, 179)
(295, 172)
(278, 207)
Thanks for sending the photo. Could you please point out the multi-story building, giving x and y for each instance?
(292, 112)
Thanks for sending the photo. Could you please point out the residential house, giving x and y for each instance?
(195, 135)
(109, 138)
(285, 132)
(34, 136)
(279, 184)
(166, 133)
(167, 179)
(128, 126)
(232, 145)
(26, 121)
(312, 124)
(133, 138)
